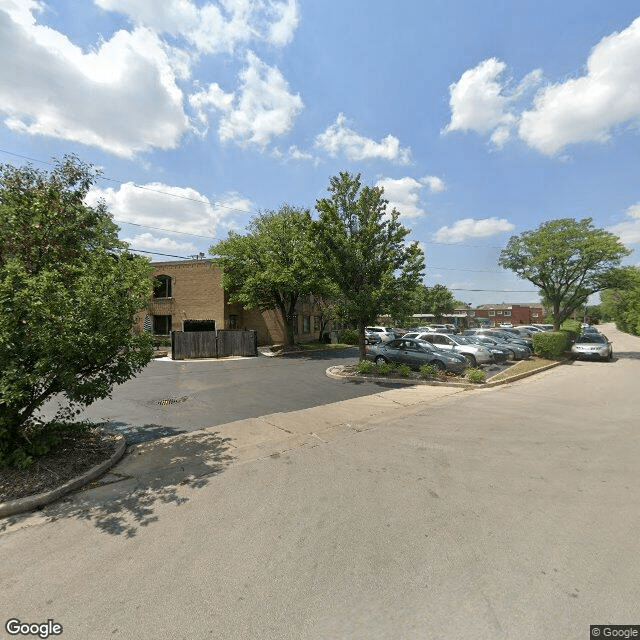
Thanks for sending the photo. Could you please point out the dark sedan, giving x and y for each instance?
(415, 353)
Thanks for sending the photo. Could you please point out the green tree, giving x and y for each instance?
(622, 304)
(437, 300)
(274, 265)
(567, 259)
(366, 256)
(69, 292)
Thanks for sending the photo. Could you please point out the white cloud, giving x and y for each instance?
(148, 242)
(629, 230)
(338, 138)
(477, 101)
(472, 228)
(214, 27)
(169, 208)
(122, 96)
(261, 109)
(589, 108)
(404, 194)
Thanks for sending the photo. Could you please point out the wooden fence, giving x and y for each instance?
(213, 344)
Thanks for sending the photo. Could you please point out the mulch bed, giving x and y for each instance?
(76, 455)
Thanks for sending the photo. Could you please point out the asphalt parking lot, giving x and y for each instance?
(171, 397)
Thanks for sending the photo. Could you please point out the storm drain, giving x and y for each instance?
(167, 401)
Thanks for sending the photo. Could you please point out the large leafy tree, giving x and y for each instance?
(622, 303)
(69, 292)
(437, 300)
(567, 259)
(367, 258)
(274, 265)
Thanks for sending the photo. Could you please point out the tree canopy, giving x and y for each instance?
(622, 303)
(69, 292)
(567, 260)
(274, 265)
(437, 300)
(365, 252)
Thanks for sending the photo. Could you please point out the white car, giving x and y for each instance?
(474, 353)
(381, 332)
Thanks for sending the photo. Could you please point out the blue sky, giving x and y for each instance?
(480, 119)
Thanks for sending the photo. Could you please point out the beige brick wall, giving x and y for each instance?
(197, 294)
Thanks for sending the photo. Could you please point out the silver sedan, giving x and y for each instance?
(592, 347)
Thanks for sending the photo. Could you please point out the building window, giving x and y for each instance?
(306, 324)
(162, 287)
(233, 321)
(534, 314)
(162, 325)
(492, 312)
(507, 313)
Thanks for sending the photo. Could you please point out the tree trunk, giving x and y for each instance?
(556, 316)
(361, 343)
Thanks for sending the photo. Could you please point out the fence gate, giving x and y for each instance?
(187, 345)
(237, 343)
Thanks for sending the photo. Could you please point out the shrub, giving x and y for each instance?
(573, 328)
(404, 370)
(348, 336)
(550, 344)
(364, 366)
(475, 375)
(427, 371)
(385, 367)
(38, 439)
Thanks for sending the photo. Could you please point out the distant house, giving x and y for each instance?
(188, 296)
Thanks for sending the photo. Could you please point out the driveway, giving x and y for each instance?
(170, 397)
(494, 514)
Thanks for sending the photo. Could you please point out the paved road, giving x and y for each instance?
(493, 514)
(171, 397)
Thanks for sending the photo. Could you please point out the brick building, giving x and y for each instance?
(510, 313)
(189, 295)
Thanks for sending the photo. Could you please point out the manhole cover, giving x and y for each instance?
(173, 400)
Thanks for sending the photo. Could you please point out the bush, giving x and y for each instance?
(550, 344)
(38, 439)
(404, 370)
(364, 366)
(348, 336)
(475, 375)
(427, 371)
(385, 367)
(573, 328)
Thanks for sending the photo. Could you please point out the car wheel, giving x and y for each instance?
(470, 359)
(380, 359)
(610, 358)
(437, 365)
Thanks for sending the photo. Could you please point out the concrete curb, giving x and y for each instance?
(335, 372)
(29, 503)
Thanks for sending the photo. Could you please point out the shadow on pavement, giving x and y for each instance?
(120, 502)
(145, 433)
(324, 354)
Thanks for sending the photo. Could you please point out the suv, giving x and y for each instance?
(473, 353)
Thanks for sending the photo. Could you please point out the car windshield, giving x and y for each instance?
(591, 339)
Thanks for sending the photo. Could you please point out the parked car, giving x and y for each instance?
(499, 354)
(592, 346)
(415, 354)
(514, 350)
(502, 336)
(381, 332)
(371, 337)
(589, 330)
(475, 354)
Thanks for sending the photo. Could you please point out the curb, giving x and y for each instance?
(335, 373)
(29, 503)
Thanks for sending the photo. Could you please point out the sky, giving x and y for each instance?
(480, 120)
